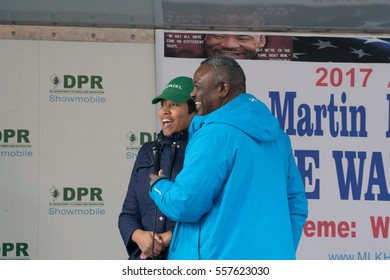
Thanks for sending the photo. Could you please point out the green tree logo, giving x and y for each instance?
(55, 193)
(55, 80)
(132, 138)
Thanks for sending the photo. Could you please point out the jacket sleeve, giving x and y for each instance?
(196, 186)
(130, 216)
(297, 200)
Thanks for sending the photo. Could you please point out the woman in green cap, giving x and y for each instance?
(143, 227)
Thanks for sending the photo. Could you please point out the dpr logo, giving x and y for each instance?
(77, 89)
(8, 249)
(147, 137)
(135, 142)
(15, 143)
(76, 196)
(11, 135)
(76, 201)
(79, 194)
(81, 80)
(143, 138)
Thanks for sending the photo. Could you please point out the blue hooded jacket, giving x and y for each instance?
(240, 194)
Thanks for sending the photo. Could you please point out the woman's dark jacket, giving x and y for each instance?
(139, 210)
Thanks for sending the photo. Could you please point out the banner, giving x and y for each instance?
(332, 97)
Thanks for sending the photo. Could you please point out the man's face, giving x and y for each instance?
(235, 46)
(206, 92)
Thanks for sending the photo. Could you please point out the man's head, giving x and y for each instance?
(241, 46)
(216, 82)
(177, 107)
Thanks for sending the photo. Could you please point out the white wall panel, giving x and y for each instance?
(78, 101)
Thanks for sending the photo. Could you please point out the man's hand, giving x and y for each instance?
(144, 240)
(153, 177)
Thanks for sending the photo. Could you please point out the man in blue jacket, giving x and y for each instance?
(240, 194)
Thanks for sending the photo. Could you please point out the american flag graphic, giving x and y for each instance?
(335, 49)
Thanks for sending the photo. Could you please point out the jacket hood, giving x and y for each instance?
(246, 113)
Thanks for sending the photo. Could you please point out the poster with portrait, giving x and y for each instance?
(331, 95)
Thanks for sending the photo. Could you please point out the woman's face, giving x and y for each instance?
(174, 117)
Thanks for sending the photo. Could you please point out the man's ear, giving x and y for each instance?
(224, 89)
(262, 42)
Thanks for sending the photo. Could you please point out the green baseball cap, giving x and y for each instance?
(177, 90)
